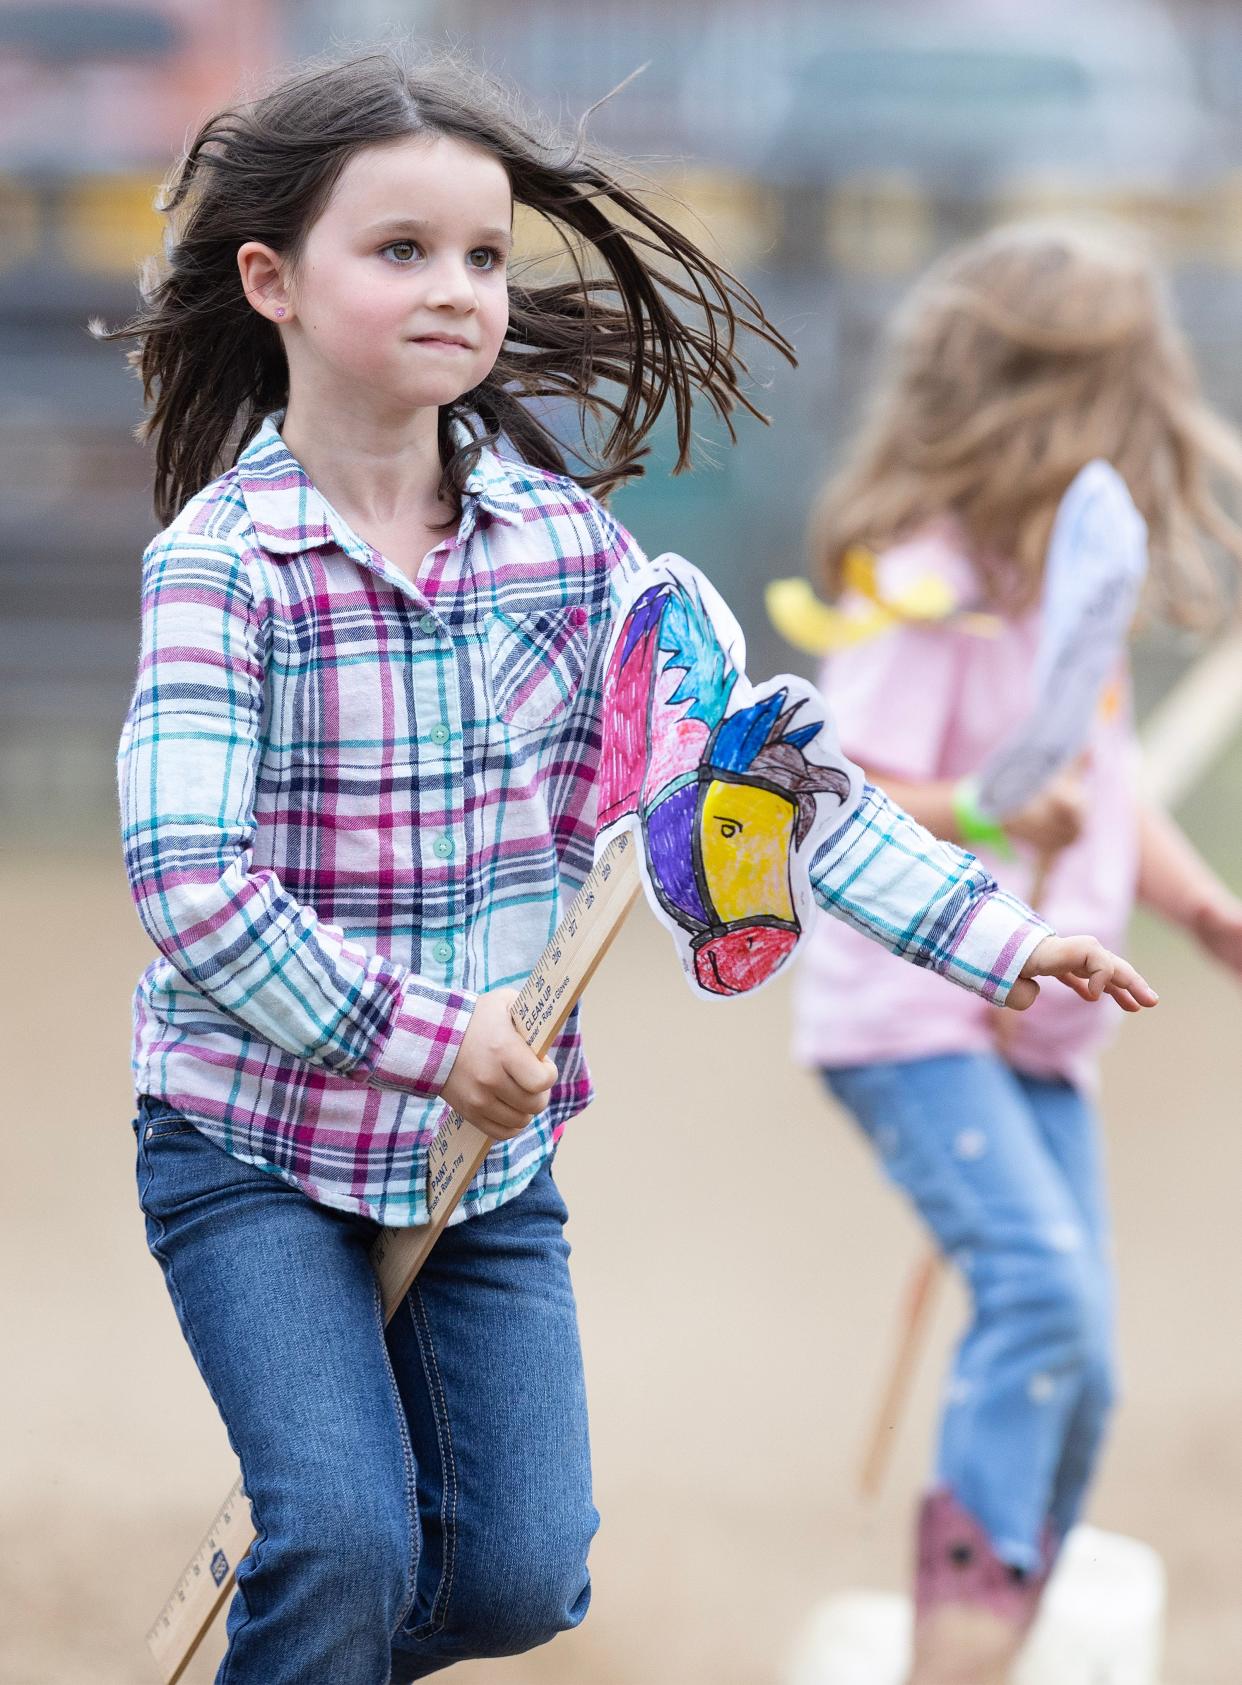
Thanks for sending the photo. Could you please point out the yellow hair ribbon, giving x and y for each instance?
(816, 628)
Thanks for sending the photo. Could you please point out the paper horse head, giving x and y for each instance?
(732, 787)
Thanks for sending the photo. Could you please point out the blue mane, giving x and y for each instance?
(743, 735)
(689, 640)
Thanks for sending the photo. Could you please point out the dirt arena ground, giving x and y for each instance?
(734, 1340)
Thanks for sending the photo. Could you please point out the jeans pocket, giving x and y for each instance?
(161, 1129)
(178, 1164)
(536, 662)
(157, 1117)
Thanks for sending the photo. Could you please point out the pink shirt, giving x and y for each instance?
(931, 701)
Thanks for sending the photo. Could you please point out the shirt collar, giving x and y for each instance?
(289, 515)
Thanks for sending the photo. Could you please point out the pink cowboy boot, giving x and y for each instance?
(972, 1611)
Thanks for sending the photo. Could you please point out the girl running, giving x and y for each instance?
(1021, 357)
(357, 782)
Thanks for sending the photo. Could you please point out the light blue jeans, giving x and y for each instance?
(422, 1494)
(1006, 1171)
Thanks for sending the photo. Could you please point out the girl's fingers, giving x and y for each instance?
(1125, 1000)
(527, 1071)
(1103, 973)
(1087, 967)
(500, 1121)
(515, 1097)
(1131, 982)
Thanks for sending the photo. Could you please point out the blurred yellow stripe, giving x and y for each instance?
(109, 223)
(730, 215)
(1179, 225)
(733, 216)
(1222, 221)
(879, 222)
(19, 223)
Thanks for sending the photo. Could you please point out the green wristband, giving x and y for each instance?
(973, 825)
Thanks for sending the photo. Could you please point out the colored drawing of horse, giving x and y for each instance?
(718, 775)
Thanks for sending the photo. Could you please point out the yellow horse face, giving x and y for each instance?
(746, 837)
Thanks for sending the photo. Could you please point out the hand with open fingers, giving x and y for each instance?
(497, 1082)
(1087, 967)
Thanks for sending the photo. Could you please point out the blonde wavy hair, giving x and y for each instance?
(1018, 358)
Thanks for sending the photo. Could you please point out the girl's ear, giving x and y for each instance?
(263, 280)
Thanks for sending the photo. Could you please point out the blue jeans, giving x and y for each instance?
(421, 1494)
(1006, 1171)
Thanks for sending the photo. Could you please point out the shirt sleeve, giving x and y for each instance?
(924, 900)
(186, 771)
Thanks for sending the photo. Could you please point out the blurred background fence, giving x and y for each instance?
(830, 148)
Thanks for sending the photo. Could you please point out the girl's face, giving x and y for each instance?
(400, 294)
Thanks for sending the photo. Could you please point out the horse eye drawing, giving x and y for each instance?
(724, 780)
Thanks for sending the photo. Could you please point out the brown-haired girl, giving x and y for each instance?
(357, 783)
(1018, 359)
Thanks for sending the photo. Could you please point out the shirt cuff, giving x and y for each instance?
(995, 940)
(423, 1042)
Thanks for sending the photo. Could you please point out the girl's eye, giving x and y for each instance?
(401, 251)
(485, 257)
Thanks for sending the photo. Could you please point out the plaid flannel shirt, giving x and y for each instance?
(351, 803)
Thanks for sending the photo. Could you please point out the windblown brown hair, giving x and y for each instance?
(637, 317)
(1018, 358)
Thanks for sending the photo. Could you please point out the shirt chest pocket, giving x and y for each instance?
(536, 662)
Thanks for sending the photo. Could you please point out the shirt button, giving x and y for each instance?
(443, 847)
(429, 624)
(439, 734)
(443, 951)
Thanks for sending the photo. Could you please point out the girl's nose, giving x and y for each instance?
(450, 284)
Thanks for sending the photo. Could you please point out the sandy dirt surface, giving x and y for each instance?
(737, 1308)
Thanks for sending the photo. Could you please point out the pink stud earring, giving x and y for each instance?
(280, 312)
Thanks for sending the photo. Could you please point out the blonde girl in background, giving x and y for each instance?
(1020, 357)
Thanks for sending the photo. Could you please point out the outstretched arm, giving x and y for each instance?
(924, 900)
(1176, 882)
(934, 905)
